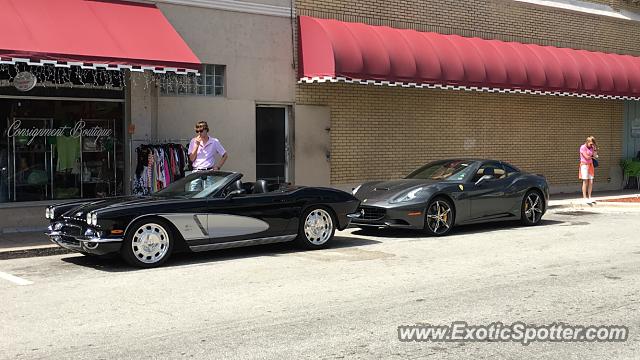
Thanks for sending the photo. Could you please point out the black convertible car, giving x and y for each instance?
(445, 193)
(203, 211)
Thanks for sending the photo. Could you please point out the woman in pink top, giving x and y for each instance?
(588, 152)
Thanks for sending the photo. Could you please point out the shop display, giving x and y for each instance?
(66, 155)
(158, 165)
(30, 161)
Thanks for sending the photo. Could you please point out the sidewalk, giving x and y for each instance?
(26, 244)
(574, 200)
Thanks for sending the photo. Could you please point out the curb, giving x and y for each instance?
(21, 230)
(35, 251)
(600, 205)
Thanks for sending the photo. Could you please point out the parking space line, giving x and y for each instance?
(14, 279)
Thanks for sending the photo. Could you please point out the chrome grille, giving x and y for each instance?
(72, 230)
(68, 240)
(371, 213)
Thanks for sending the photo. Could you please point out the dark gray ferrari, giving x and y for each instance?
(442, 194)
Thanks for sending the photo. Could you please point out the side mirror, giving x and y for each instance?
(235, 193)
(483, 179)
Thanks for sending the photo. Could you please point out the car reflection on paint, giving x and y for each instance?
(445, 193)
(203, 211)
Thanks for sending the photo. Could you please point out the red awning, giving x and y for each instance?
(332, 50)
(92, 34)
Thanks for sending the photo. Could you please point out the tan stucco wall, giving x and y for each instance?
(283, 3)
(231, 121)
(256, 50)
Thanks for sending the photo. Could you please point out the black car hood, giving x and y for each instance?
(384, 190)
(80, 210)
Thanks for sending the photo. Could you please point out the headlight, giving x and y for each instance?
(92, 219)
(47, 213)
(407, 196)
(355, 189)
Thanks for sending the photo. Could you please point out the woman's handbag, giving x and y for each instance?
(595, 163)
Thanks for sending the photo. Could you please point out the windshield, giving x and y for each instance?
(197, 185)
(450, 170)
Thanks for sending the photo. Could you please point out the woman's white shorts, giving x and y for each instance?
(584, 172)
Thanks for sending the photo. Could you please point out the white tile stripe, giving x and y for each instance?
(158, 69)
(14, 279)
(586, 7)
(311, 80)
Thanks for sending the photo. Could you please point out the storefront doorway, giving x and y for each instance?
(273, 151)
(60, 148)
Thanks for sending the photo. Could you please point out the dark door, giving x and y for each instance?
(250, 216)
(271, 144)
(488, 197)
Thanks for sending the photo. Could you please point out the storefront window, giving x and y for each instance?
(60, 149)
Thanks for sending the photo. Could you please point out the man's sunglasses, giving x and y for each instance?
(199, 130)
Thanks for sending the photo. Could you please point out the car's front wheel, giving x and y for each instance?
(148, 244)
(317, 227)
(439, 217)
(532, 208)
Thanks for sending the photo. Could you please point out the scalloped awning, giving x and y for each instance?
(332, 50)
(92, 34)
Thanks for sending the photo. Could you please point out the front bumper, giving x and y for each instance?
(89, 243)
(400, 217)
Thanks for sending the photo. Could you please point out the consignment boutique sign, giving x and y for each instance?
(25, 81)
(78, 130)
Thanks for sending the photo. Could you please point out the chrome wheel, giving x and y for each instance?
(150, 243)
(533, 207)
(318, 227)
(439, 217)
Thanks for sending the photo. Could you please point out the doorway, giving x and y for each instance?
(272, 144)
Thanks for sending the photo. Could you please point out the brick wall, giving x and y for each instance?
(379, 132)
(384, 132)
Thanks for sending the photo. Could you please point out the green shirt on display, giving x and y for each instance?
(68, 153)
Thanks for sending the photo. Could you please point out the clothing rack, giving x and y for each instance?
(158, 141)
(149, 141)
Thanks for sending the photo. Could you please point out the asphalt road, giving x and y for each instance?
(272, 302)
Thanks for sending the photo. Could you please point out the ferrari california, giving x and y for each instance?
(442, 194)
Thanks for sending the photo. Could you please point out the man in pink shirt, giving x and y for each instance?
(588, 152)
(203, 150)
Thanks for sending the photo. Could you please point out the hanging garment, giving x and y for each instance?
(68, 150)
(157, 167)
